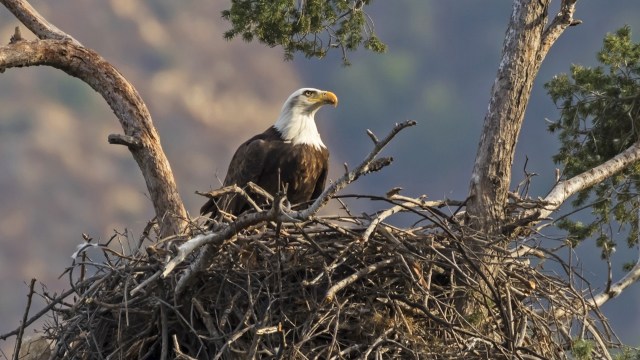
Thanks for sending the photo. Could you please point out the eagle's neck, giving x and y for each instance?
(298, 127)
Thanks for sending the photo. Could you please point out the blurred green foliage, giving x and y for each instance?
(582, 349)
(311, 27)
(627, 353)
(599, 118)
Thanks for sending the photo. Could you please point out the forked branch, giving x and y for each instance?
(366, 166)
(526, 45)
(559, 23)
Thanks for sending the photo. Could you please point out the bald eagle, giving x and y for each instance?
(290, 153)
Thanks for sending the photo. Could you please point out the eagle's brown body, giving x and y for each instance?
(288, 155)
(302, 169)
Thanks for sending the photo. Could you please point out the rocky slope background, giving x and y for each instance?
(60, 178)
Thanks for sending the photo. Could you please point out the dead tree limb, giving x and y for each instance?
(365, 167)
(35, 22)
(16, 353)
(566, 188)
(61, 51)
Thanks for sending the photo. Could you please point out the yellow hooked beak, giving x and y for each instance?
(327, 97)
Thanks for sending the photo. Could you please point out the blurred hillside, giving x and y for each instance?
(59, 177)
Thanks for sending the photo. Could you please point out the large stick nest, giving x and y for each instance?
(286, 284)
(330, 288)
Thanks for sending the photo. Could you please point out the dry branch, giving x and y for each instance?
(566, 188)
(23, 324)
(618, 287)
(560, 22)
(35, 22)
(362, 169)
(58, 49)
(331, 293)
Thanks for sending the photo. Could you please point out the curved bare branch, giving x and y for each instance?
(127, 105)
(566, 188)
(618, 287)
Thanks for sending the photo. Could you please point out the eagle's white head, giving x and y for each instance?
(296, 122)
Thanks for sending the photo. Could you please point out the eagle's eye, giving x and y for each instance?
(308, 93)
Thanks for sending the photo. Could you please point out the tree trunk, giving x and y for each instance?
(520, 62)
(526, 44)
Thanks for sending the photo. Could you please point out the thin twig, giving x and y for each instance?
(16, 353)
(149, 280)
(47, 308)
(164, 331)
(330, 294)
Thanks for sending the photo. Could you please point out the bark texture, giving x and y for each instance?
(527, 42)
